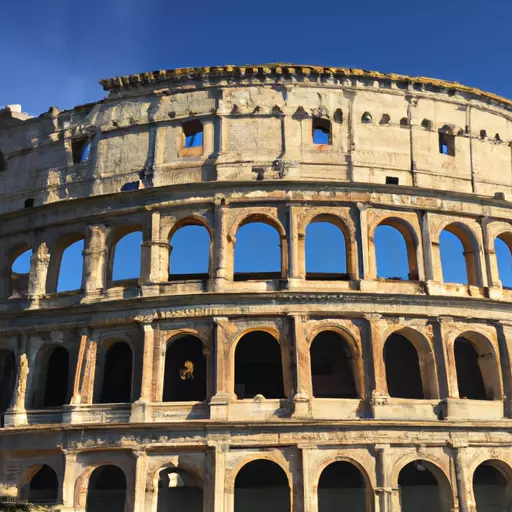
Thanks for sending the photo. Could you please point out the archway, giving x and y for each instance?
(419, 489)
(189, 253)
(403, 374)
(326, 251)
(125, 261)
(341, 487)
(491, 489)
(258, 366)
(332, 367)
(395, 250)
(185, 370)
(107, 490)
(7, 381)
(117, 375)
(469, 375)
(503, 253)
(179, 491)
(57, 378)
(43, 487)
(459, 255)
(257, 252)
(262, 485)
(20, 272)
(70, 267)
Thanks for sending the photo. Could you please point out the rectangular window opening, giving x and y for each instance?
(321, 131)
(391, 180)
(80, 149)
(447, 144)
(193, 131)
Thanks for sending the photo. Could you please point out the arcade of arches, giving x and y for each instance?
(275, 484)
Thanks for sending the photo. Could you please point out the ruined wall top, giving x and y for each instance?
(254, 123)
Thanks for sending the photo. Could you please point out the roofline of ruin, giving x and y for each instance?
(284, 70)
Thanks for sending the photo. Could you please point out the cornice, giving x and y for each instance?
(287, 70)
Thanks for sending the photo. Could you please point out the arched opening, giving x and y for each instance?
(258, 366)
(419, 489)
(326, 251)
(490, 488)
(403, 374)
(117, 377)
(71, 266)
(504, 259)
(469, 375)
(57, 375)
(395, 251)
(185, 371)
(262, 485)
(179, 490)
(190, 253)
(107, 490)
(332, 367)
(43, 487)
(7, 382)
(458, 248)
(20, 273)
(257, 252)
(341, 487)
(126, 258)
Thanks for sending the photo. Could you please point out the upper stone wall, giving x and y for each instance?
(257, 125)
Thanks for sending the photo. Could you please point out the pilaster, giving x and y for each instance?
(139, 407)
(141, 469)
(155, 256)
(222, 267)
(95, 259)
(302, 388)
(17, 415)
(69, 480)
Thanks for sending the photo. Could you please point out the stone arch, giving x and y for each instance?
(50, 383)
(116, 385)
(351, 476)
(261, 354)
(18, 281)
(57, 251)
(504, 236)
(7, 381)
(446, 500)
(341, 381)
(263, 483)
(273, 222)
(194, 220)
(426, 363)
(411, 239)
(177, 487)
(471, 249)
(106, 489)
(348, 242)
(494, 477)
(184, 381)
(113, 239)
(39, 485)
(476, 351)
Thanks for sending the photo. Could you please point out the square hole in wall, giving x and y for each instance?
(391, 180)
(80, 149)
(321, 131)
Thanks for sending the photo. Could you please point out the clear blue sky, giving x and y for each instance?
(54, 53)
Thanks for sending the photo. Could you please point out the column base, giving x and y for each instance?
(16, 418)
(301, 406)
(219, 406)
(139, 412)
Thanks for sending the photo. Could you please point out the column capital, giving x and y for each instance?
(145, 320)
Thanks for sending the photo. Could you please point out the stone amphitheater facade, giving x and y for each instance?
(417, 154)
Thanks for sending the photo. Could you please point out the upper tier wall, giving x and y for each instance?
(380, 128)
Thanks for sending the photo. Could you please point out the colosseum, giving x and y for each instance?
(281, 389)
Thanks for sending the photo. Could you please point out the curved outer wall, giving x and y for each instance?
(257, 162)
